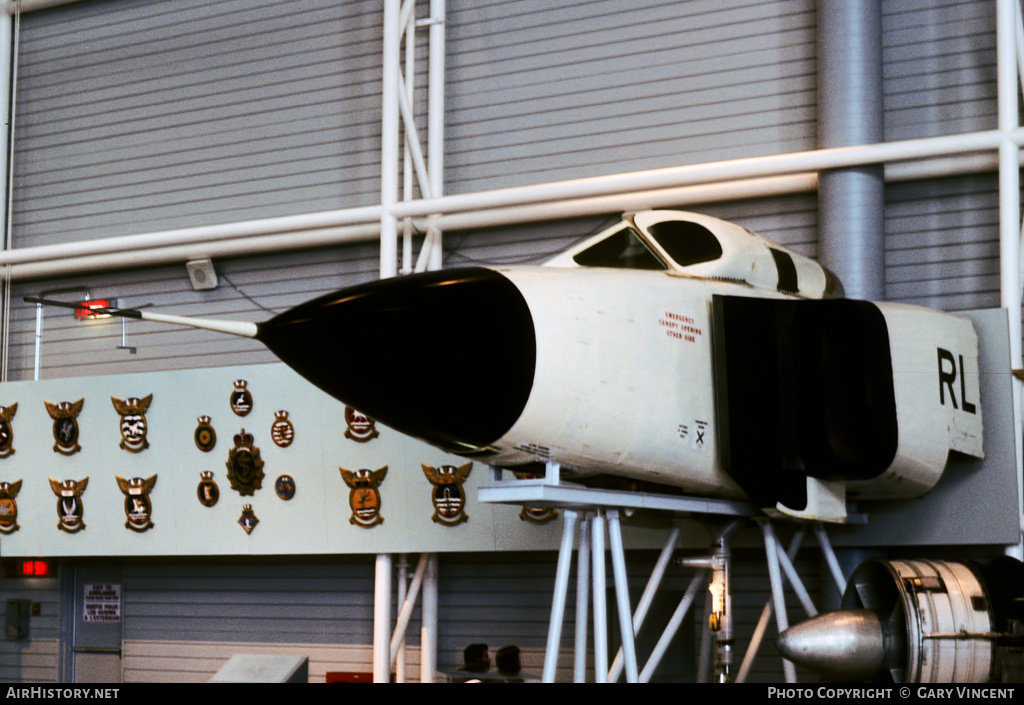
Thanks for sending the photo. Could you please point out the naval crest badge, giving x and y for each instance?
(364, 495)
(284, 486)
(65, 425)
(9, 507)
(133, 422)
(69, 504)
(245, 466)
(241, 398)
(204, 436)
(282, 432)
(361, 427)
(448, 497)
(137, 506)
(207, 490)
(248, 520)
(7, 429)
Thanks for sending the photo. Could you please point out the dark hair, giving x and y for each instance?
(507, 659)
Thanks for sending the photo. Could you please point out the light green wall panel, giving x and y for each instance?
(315, 521)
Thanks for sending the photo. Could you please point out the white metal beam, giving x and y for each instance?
(382, 618)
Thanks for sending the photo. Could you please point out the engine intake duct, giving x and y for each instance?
(803, 389)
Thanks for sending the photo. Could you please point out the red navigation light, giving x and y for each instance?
(92, 309)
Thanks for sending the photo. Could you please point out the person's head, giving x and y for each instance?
(476, 658)
(507, 660)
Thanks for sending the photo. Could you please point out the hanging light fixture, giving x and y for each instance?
(92, 308)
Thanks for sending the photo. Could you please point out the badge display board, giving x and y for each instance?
(315, 519)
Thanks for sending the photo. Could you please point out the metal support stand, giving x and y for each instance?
(591, 511)
(586, 513)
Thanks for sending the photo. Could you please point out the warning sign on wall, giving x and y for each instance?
(102, 603)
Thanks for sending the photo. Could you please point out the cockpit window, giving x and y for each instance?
(686, 242)
(623, 250)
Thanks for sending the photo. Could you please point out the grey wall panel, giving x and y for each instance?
(582, 88)
(286, 602)
(142, 117)
(939, 67)
(152, 115)
(942, 243)
(34, 659)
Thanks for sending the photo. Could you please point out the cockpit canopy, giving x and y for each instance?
(690, 244)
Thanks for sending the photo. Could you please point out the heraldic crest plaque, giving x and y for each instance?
(133, 422)
(65, 425)
(137, 506)
(448, 497)
(245, 467)
(8, 506)
(69, 504)
(7, 429)
(364, 495)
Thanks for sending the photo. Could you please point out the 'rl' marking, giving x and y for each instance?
(948, 376)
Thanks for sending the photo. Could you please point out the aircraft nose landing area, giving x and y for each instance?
(446, 356)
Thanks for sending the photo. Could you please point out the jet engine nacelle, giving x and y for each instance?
(919, 621)
(817, 398)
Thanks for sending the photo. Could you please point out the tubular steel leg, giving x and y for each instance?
(779, 599)
(407, 596)
(766, 614)
(558, 600)
(600, 608)
(672, 627)
(704, 660)
(830, 557)
(582, 602)
(648, 596)
(622, 596)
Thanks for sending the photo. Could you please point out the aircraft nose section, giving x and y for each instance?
(444, 356)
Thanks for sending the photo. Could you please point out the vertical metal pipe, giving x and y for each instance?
(407, 600)
(435, 117)
(428, 622)
(389, 139)
(382, 618)
(558, 599)
(579, 669)
(408, 22)
(622, 596)
(600, 608)
(1009, 215)
(398, 639)
(39, 340)
(9, 24)
(851, 201)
